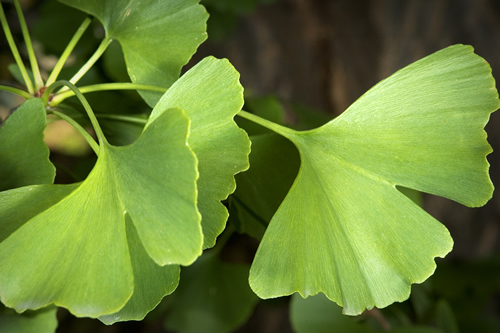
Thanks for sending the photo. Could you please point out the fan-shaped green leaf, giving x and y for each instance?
(344, 229)
(73, 250)
(151, 282)
(210, 94)
(23, 154)
(157, 37)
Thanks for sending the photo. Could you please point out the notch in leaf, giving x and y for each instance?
(71, 245)
(344, 229)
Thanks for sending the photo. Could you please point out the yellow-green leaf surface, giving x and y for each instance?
(24, 157)
(70, 244)
(344, 229)
(210, 94)
(151, 282)
(158, 37)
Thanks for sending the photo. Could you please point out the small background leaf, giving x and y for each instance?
(274, 165)
(41, 321)
(317, 314)
(213, 297)
(23, 154)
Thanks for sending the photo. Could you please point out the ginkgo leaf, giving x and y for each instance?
(210, 94)
(151, 282)
(157, 37)
(344, 229)
(23, 154)
(72, 248)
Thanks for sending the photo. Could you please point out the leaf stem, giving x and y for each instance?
(17, 91)
(79, 128)
(62, 60)
(85, 103)
(62, 95)
(29, 47)
(85, 68)
(15, 51)
(281, 130)
(118, 117)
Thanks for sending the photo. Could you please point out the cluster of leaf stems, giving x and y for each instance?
(46, 90)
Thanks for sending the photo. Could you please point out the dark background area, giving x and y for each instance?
(324, 54)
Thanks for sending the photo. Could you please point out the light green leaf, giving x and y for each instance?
(213, 297)
(210, 94)
(344, 229)
(74, 251)
(23, 154)
(151, 282)
(41, 321)
(157, 37)
(317, 314)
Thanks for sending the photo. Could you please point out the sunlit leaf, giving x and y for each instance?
(344, 229)
(210, 94)
(213, 297)
(151, 282)
(71, 245)
(40, 321)
(23, 154)
(157, 37)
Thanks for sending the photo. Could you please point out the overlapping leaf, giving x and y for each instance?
(23, 154)
(71, 245)
(157, 37)
(344, 229)
(210, 94)
(151, 282)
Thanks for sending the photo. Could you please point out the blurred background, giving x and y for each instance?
(311, 59)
